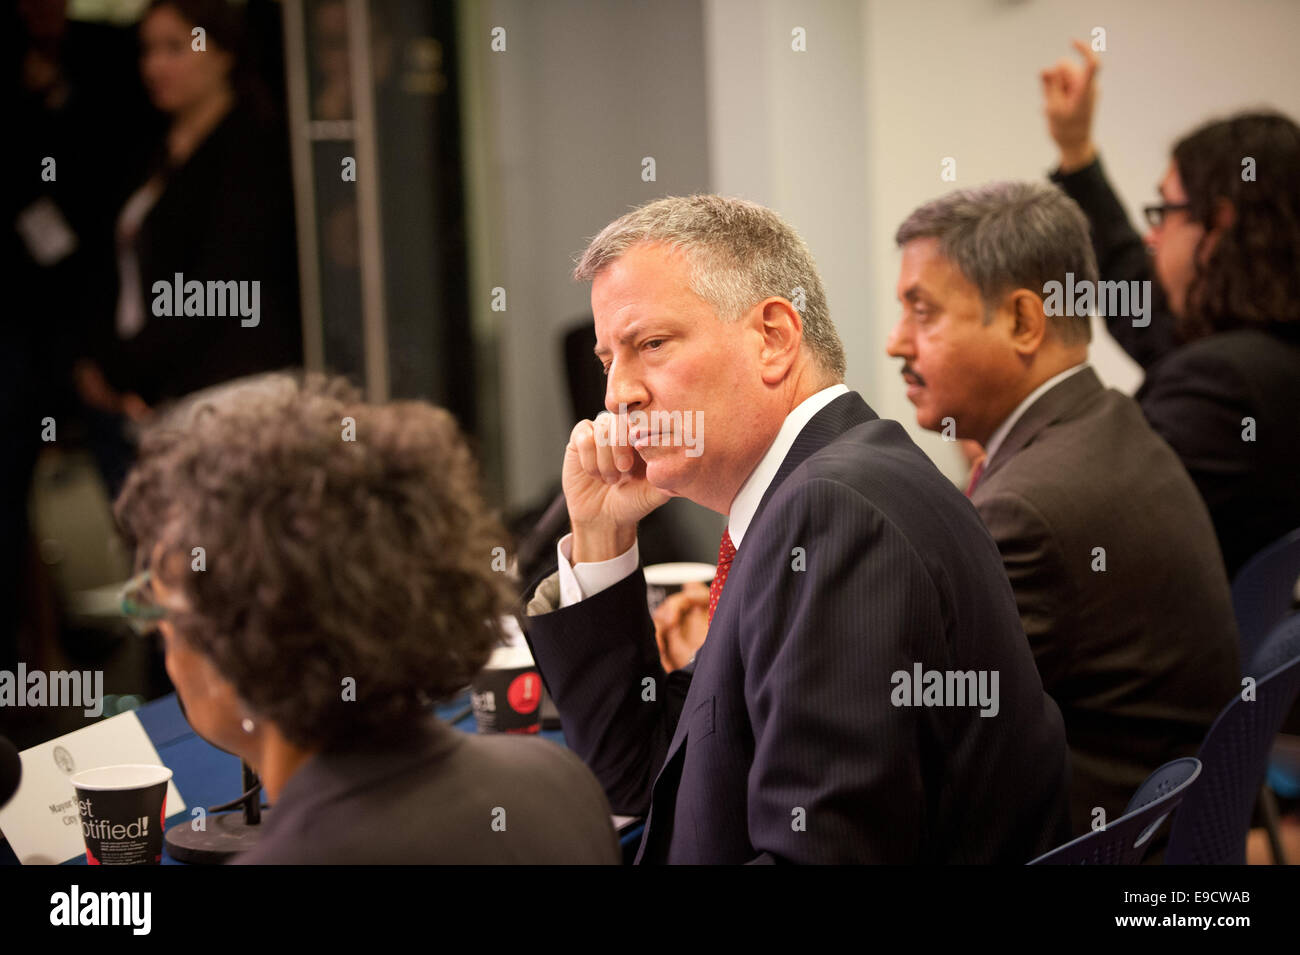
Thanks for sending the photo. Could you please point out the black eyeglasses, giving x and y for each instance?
(1156, 214)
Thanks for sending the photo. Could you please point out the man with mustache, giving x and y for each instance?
(848, 565)
(1107, 544)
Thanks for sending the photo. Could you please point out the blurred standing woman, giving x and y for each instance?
(214, 207)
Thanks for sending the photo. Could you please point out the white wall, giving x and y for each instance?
(560, 122)
(961, 79)
(788, 129)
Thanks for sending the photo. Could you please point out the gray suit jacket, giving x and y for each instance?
(436, 795)
(1141, 655)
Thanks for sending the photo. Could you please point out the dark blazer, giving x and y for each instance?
(225, 215)
(430, 796)
(782, 742)
(1142, 655)
(1197, 395)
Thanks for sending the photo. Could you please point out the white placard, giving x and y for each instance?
(41, 821)
(48, 236)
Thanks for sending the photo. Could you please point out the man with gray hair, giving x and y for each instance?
(1106, 542)
(865, 693)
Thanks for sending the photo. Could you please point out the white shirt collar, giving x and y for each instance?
(1005, 427)
(751, 492)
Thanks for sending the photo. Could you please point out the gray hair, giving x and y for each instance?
(1011, 235)
(739, 253)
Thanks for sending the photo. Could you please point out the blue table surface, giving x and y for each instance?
(207, 776)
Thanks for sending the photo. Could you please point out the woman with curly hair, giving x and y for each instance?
(345, 583)
(1222, 358)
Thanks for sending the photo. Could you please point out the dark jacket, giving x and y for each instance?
(434, 795)
(225, 215)
(783, 742)
(1120, 586)
(1202, 397)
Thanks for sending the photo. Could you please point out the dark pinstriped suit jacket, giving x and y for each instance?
(783, 743)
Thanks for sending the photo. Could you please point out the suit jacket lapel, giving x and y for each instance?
(824, 427)
(1050, 408)
(830, 423)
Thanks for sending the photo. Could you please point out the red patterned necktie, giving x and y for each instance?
(975, 476)
(726, 551)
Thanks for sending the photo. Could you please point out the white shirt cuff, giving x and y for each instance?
(580, 581)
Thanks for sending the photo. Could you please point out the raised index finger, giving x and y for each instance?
(1092, 62)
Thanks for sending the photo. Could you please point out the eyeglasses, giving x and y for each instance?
(138, 602)
(1156, 214)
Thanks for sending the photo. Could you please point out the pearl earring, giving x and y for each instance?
(248, 725)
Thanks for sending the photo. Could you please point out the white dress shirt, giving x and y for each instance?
(580, 581)
(1005, 427)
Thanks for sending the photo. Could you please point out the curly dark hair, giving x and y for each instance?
(1252, 278)
(326, 558)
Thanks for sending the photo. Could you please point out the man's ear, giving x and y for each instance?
(781, 329)
(1028, 321)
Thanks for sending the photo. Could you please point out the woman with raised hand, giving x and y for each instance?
(1221, 348)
